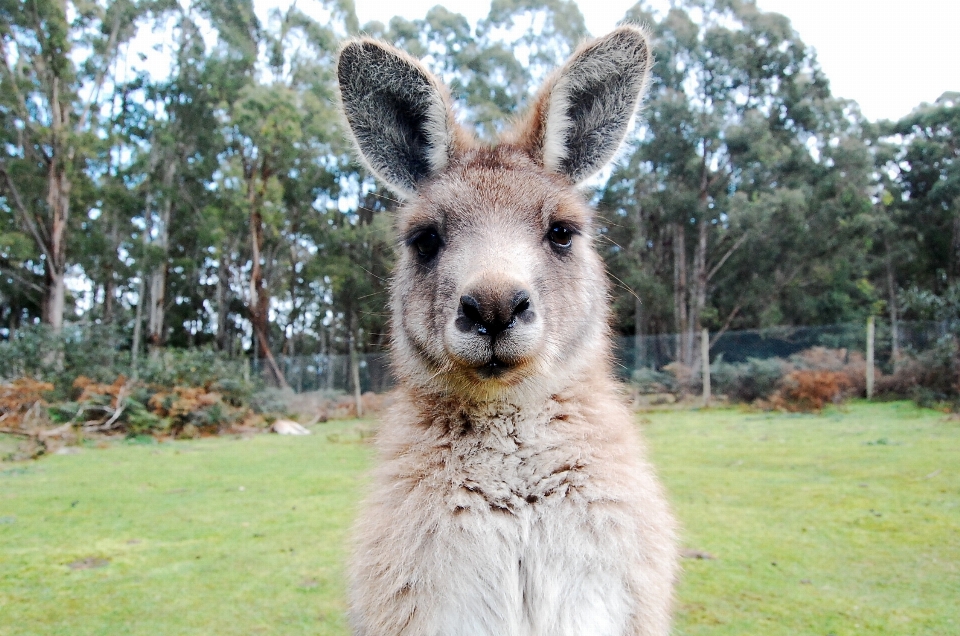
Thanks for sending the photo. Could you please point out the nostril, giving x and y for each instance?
(471, 308)
(521, 303)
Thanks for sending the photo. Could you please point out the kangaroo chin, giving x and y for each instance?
(512, 496)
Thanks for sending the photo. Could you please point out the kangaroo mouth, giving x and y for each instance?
(493, 368)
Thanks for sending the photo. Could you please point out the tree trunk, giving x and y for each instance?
(259, 298)
(158, 278)
(223, 303)
(355, 365)
(327, 344)
(137, 328)
(639, 343)
(638, 247)
(680, 289)
(698, 294)
(894, 313)
(58, 204)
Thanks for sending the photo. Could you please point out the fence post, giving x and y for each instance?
(705, 357)
(871, 332)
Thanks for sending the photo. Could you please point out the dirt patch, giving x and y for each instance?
(89, 563)
(690, 553)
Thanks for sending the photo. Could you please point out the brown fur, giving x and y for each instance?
(512, 496)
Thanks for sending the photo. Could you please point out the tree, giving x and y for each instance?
(49, 105)
(736, 135)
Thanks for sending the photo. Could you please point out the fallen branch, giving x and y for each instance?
(116, 413)
(13, 431)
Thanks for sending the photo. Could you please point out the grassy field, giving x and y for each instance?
(843, 523)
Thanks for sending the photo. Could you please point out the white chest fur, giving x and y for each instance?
(506, 525)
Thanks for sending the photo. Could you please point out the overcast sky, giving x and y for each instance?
(888, 56)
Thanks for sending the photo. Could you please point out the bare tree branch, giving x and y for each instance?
(38, 233)
(726, 325)
(101, 72)
(12, 273)
(729, 253)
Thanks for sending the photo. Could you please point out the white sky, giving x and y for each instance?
(887, 55)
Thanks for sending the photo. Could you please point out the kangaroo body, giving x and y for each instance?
(512, 497)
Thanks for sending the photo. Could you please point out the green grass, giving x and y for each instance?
(859, 510)
(844, 523)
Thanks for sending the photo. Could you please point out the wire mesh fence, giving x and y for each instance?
(332, 372)
(655, 352)
(323, 372)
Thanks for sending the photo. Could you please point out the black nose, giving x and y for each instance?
(490, 311)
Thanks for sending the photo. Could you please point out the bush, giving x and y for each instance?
(807, 390)
(930, 378)
(200, 368)
(650, 381)
(748, 381)
(851, 364)
(84, 377)
(37, 352)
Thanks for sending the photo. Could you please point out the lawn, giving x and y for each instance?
(842, 523)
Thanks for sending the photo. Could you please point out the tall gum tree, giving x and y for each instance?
(731, 108)
(50, 105)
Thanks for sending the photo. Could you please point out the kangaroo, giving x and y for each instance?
(511, 497)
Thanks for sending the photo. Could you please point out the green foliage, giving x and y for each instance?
(38, 352)
(200, 368)
(749, 195)
(650, 381)
(747, 381)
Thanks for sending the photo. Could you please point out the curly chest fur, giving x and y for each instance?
(516, 522)
(509, 461)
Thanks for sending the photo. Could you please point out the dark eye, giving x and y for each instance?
(561, 235)
(426, 243)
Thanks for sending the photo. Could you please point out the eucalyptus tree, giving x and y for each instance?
(57, 57)
(925, 164)
(730, 147)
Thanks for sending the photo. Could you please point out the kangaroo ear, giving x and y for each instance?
(580, 116)
(398, 113)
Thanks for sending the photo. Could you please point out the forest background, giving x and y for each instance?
(221, 207)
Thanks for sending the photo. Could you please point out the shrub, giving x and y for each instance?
(59, 358)
(200, 368)
(651, 381)
(930, 378)
(851, 364)
(747, 381)
(807, 390)
(22, 403)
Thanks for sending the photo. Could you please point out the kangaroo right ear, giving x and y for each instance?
(398, 113)
(581, 115)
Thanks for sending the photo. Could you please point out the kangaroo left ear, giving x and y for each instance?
(580, 116)
(398, 113)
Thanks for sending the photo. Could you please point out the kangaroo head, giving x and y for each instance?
(497, 287)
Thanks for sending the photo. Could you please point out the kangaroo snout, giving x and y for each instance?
(496, 325)
(490, 311)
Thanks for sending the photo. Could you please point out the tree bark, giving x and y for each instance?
(639, 342)
(58, 205)
(259, 298)
(892, 307)
(137, 328)
(355, 364)
(698, 294)
(223, 302)
(158, 278)
(680, 289)
(110, 283)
